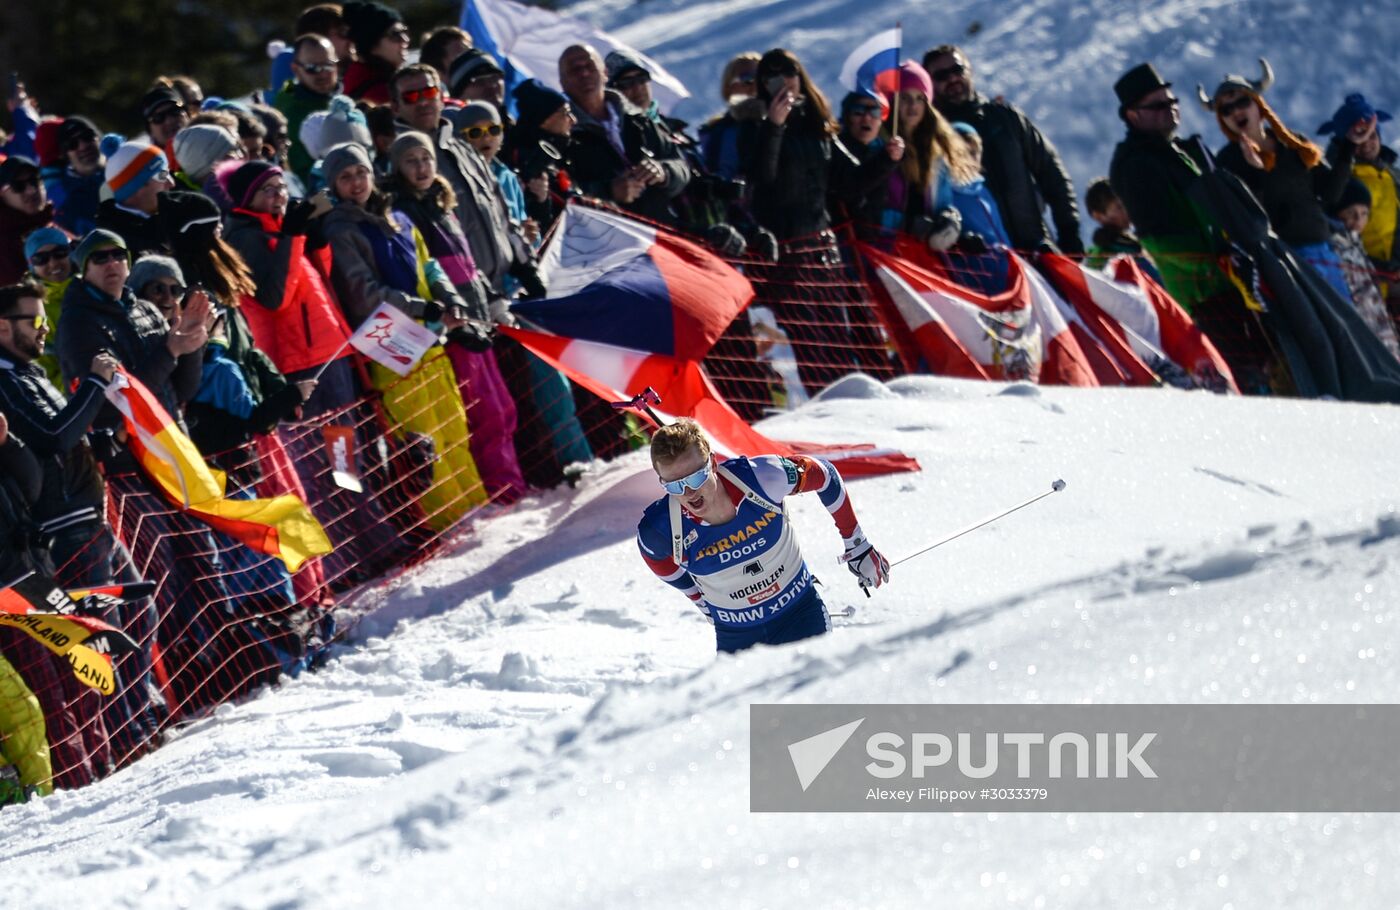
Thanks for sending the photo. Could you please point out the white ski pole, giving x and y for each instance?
(1055, 487)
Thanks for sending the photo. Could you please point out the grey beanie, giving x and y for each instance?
(343, 123)
(198, 148)
(150, 267)
(400, 147)
(619, 63)
(342, 156)
(472, 114)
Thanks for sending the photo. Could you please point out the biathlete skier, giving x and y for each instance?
(722, 538)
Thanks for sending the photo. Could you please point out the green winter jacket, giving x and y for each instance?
(23, 739)
(297, 102)
(1152, 174)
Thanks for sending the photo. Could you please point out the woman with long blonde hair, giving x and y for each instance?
(920, 197)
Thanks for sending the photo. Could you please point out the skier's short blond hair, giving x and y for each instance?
(675, 439)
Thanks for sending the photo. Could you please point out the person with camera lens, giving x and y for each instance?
(618, 154)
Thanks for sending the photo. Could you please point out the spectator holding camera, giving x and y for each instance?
(618, 153)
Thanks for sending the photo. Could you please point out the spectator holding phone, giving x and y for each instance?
(101, 314)
(618, 153)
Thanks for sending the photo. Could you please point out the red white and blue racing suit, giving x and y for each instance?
(748, 575)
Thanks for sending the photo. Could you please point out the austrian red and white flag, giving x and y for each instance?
(392, 339)
(1132, 313)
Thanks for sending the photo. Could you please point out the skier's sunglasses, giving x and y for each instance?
(690, 481)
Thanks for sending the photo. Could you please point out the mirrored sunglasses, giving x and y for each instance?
(689, 482)
(39, 321)
(415, 95)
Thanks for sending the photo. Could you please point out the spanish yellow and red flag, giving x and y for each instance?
(281, 526)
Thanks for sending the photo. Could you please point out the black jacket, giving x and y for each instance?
(142, 235)
(134, 332)
(20, 482)
(789, 169)
(56, 432)
(593, 163)
(860, 183)
(1293, 196)
(1024, 173)
(1153, 175)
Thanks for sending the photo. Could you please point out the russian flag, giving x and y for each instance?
(874, 65)
(622, 282)
(527, 42)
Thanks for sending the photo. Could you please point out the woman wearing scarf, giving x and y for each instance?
(378, 257)
(417, 190)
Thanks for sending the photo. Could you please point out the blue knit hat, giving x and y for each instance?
(863, 97)
(42, 237)
(1353, 109)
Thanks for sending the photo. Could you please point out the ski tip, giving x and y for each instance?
(1057, 486)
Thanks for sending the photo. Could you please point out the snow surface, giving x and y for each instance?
(534, 721)
(1054, 59)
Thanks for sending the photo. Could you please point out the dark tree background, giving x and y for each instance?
(98, 59)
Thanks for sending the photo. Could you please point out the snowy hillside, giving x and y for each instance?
(534, 721)
(1055, 59)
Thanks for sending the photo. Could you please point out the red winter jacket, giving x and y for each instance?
(295, 318)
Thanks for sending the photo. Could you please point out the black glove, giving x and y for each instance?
(940, 231)
(432, 311)
(474, 336)
(298, 217)
(972, 244)
(1072, 246)
(725, 240)
(529, 277)
(763, 244)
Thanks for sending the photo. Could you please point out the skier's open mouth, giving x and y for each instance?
(695, 503)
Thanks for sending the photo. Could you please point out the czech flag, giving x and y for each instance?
(623, 282)
(616, 374)
(281, 526)
(873, 67)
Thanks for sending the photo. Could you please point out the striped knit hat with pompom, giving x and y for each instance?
(130, 165)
